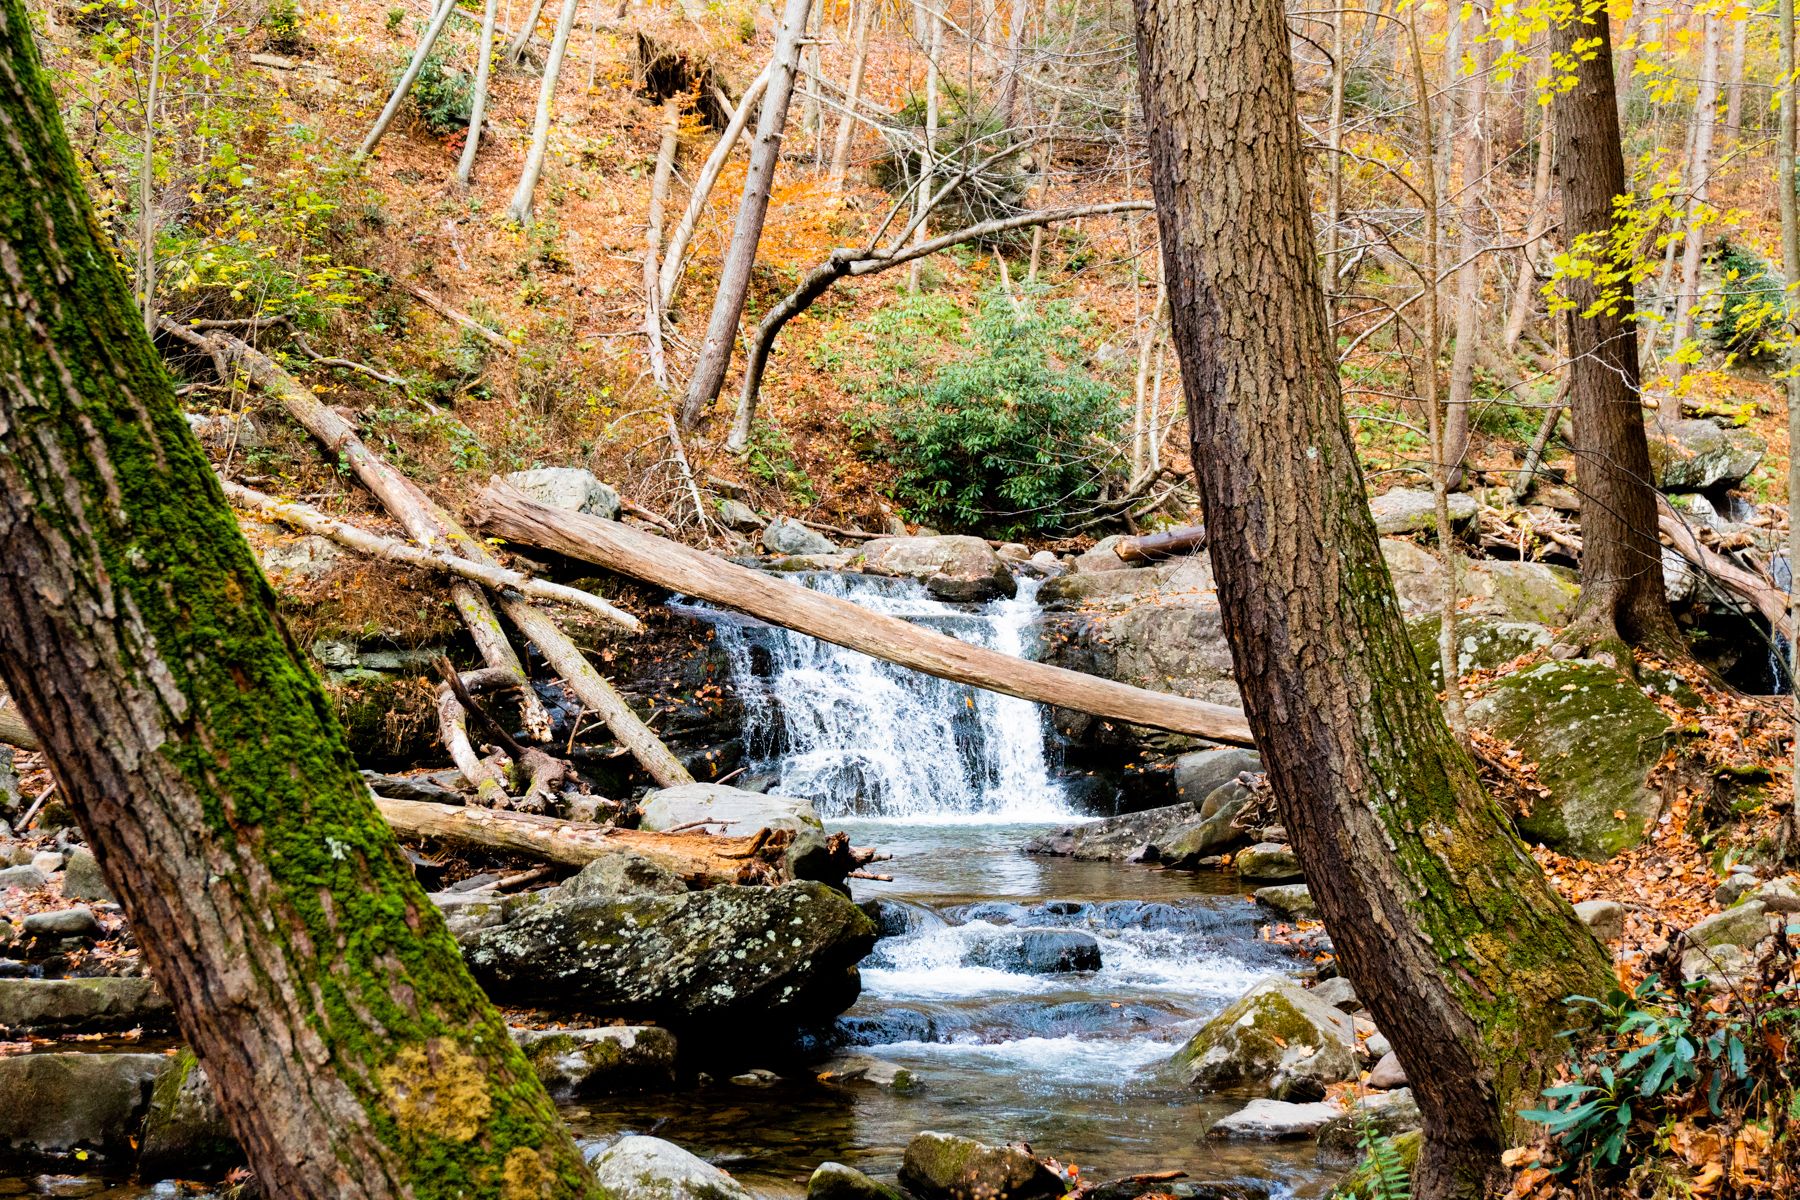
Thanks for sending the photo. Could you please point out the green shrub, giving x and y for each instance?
(282, 22)
(1011, 436)
(1750, 303)
(445, 96)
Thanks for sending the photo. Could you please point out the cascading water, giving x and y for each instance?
(863, 737)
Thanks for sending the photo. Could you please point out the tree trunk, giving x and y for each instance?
(1787, 146)
(1621, 562)
(352, 1054)
(1526, 287)
(703, 186)
(927, 157)
(1471, 152)
(1693, 242)
(1008, 103)
(507, 512)
(515, 49)
(653, 236)
(859, 58)
(520, 208)
(439, 19)
(746, 232)
(1442, 920)
(1734, 77)
(465, 167)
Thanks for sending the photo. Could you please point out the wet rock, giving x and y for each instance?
(1605, 917)
(876, 1072)
(1408, 510)
(785, 536)
(735, 514)
(571, 489)
(1744, 926)
(1384, 1114)
(943, 1166)
(82, 879)
(730, 957)
(1595, 738)
(1035, 952)
(955, 568)
(738, 813)
(1268, 860)
(884, 1029)
(42, 1006)
(1131, 1187)
(1388, 1073)
(59, 1103)
(1292, 900)
(77, 922)
(185, 1133)
(758, 1078)
(1338, 993)
(1115, 839)
(897, 918)
(647, 1168)
(1203, 772)
(835, 1181)
(1698, 455)
(1274, 1120)
(578, 1063)
(1276, 1036)
(627, 874)
(26, 878)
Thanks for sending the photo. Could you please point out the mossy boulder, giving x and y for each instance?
(648, 1168)
(943, 1166)
(185, 1134)
(1269, 862)
(835, 1181)
(1276, 1037)
(1595, 737)
(1696, 455)
(1291, 900)
(1529, 592)
(737, 958)
(577, 1063)
(1482, 643)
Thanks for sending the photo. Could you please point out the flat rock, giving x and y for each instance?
(1605, 917)
(572, 489)
(648, 1168)
(81, 1005)
(738, 958)
(469, 912)
(733, 811)
(1268, 860)
(943, 1166)
(835, 1181)
(77, 922)
(578, 1063)
(1275, 1120)
(863, 1068)
(1275, 1036)
(1408, 510)
(62, 1102)
(1379, 1114)
(25, 878)
(952, 567)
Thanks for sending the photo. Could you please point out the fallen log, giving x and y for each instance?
(14, 731)
(311, 520)
(508, 512)
(1762, 595)
(1155, 547)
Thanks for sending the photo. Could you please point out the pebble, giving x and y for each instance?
(759, 1078)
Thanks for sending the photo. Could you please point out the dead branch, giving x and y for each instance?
(431, 301)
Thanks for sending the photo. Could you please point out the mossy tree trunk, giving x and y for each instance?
(1450, 932)
(352, 1053)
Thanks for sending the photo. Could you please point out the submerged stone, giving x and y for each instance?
(1035, 952)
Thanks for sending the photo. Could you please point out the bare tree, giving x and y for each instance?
(520, 208)
(1693, 243)
(465, 167)
(1471, 151)
(439, 19)
(515, 49)
(859, 55)
(703, 186)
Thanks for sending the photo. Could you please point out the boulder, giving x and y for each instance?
(289, 558)
(1387, 1074)
(1735, 888)
(468, 912)
(1103, 556)
(835, 1181)
(1292, 900)
(735, 514)
(1779, 895)
(1605, 917)
(1275, 1036)
(82, 879)
(571, 489)
(1408, 510)
(77, 922)
(1525, 592)
(1337, 992)
(1275, 1120)
(60, 1103)
(943, 1166)
(786, 536)
(1199, 774)
(1595, 738)
(185, 1134)
(952, 567)
(648, 1168)
(577, 1063)
(1268, 860)
(1035, 951)
(25, 878)
(626, 874)
(1482, 643)
(735, 812)
(736, 958)
(1698, 455)
(1115, 839)
(55, 1006)
(1744, 926)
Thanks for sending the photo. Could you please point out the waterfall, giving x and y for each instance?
(863, 737)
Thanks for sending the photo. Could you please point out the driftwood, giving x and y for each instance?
(545, 772)
(504, 510)
(1155, 547)
(701, 859)
(453, 731)
(312, 521)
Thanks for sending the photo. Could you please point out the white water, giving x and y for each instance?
(863, 737)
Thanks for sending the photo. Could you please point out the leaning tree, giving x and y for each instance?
(351, 1051)
(1451, 934)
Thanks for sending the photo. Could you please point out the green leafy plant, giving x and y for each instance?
(444, 95)
(283, 23)
(1011, 436)
(1388, 1178)
(1750, 303)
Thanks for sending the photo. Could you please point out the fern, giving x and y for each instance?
(1388, 1177)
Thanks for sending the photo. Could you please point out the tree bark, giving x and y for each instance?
(1734, 77)
(1621, 563)
(1442, 920)
(520, 208)
(859, 57)
(507, 512)
(1787, 146)
(1008, 102)
(1693, 241)
(1525, 287)
(703, 186)
(740, 256)
(352, 1054)
(928, 155)
(439, 19)
(515, 49)
(465, 166)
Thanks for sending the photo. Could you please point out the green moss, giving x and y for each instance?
(174, 609)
